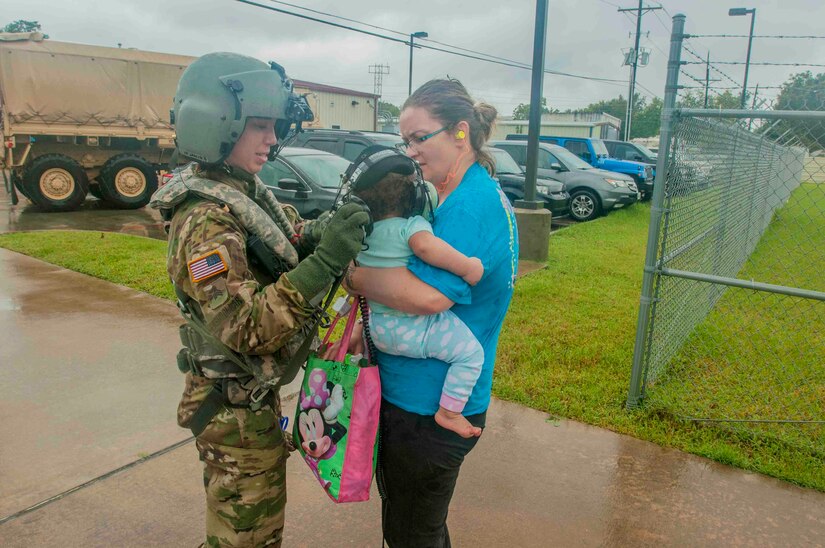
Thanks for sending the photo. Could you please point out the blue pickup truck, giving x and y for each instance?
(594, 152)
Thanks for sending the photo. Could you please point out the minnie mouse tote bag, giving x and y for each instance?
(336, 421)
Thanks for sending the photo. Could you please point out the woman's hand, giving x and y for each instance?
(354, 346)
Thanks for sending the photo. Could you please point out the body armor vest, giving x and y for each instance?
(240, 376)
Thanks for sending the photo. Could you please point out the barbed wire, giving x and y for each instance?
(711, 89)
(761, 87)
(755, 36)
(711, 65)
(726, 87)
(766, 64)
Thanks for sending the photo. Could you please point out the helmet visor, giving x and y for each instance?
(260, 93)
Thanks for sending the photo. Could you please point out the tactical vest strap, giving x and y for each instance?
(209, 407)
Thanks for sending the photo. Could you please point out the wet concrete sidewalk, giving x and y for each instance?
(91, 386)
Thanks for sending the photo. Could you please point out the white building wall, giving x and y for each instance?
(503, 128)
(340, 110)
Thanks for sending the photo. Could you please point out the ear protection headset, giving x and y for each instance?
(374, 163)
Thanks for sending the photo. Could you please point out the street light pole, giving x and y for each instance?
(413, 36)
(735, 12)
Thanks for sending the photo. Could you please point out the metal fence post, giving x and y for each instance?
(656, 210)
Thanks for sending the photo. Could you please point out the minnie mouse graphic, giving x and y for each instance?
(318, 426)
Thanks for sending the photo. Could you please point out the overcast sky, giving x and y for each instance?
(584, 37)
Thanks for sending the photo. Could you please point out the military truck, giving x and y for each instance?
(79, 119)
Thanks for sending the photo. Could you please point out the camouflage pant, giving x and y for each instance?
(244, 455)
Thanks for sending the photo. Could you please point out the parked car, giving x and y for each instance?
(624, 150)
(594, 152)
(511, 177)
(593, 191)
(343, 142)
(306, 178)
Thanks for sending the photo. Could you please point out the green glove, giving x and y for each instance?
(341, 242)
(314, 229)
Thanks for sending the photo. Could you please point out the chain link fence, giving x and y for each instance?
(732, 318)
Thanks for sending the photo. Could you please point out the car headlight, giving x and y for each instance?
(616, 183)
(541, 189)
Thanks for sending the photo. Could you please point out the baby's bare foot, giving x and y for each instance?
(457, 423)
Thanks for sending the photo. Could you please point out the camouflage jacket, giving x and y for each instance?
(246, 309)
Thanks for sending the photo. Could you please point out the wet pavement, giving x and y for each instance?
(94, 214)
(86, 376)
(90, 386)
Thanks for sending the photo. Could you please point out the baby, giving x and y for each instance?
(398, 234)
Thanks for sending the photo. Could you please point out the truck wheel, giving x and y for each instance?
(55, 182)
(584, 205)
(127, 181)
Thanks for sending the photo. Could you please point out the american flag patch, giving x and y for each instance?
(206, 266)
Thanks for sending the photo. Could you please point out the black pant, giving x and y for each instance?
(418, 465)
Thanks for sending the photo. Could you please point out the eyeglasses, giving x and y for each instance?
(415, 141)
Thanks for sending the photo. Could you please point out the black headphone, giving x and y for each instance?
(375, 162)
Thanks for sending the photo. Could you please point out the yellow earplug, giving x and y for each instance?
(460, 134)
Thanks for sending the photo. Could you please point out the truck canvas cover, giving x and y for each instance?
(73, 89)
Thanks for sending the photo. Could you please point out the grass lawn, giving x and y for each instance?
(566, 346)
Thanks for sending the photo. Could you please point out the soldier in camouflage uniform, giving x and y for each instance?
(246, 320)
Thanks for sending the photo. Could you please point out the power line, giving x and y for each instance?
(668, 29)
(503, 61)
(646, 89)
(315, 19)
(339, 17)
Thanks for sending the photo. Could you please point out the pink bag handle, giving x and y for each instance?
(351, 316)
(342, 351)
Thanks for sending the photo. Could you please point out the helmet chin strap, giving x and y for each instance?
(453, 170)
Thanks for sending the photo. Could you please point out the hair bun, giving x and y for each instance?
(486, 114)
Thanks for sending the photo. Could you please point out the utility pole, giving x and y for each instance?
(378, 72)
(634, 56)
(753, 106)
(708, 79)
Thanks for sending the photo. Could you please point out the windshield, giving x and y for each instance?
(649, 153)
(504, 162)
(599, 148)
(324, 170)
(570, 160)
